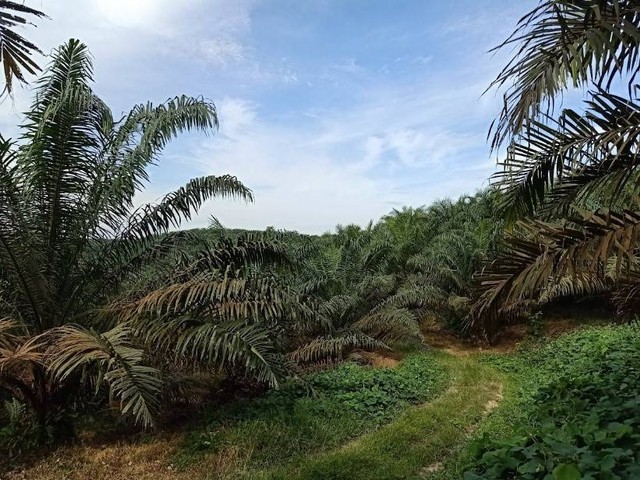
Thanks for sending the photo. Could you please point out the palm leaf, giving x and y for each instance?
(15, 50)
(120, 365)
(541, 255)
(562, 44)
(334, 346)
(551, 167)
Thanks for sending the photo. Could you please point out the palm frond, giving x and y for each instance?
(233, 344)
(15, 50)
(562, 44)
(12, 333)
(542, 254)
(119, 364)
(389, 324)
(552, 166)
(18, 353)
(152, 220)
(334, 346)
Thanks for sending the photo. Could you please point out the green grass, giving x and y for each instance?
(420, 437)
(570, 403)
(290, 425)
(504, 422)
(365, 423)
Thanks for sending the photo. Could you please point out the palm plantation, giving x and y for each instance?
(276, 354)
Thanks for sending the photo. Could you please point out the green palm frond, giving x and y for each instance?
(225, 295)
(553, 166)
(233, 344)
(148, 128)
(214, 341)
(132, 145)
(151, 220)
(334, 346)
(542, 254)
(580, 284)
(562, 44)
(389, 324)
(241, 252)
(121, 366)
(417, 297)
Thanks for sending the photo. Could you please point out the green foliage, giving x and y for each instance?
(573, 176)
(18, 428)
(562, 44)
(583, 415)
(318, 412)
(381, 281)
(80, 322)
(16, 51)
(416, 441)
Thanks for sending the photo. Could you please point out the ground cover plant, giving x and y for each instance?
(579, 414)
(319, 412)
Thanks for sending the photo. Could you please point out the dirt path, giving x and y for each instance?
(416, 444)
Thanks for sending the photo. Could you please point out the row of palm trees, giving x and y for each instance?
(100, 298)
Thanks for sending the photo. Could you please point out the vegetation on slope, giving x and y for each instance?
(103, 305)
(570, 411)
(321, 412)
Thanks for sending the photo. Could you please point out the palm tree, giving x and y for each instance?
(71, 238)
(15, 50)
(358, 306)
(573, 178)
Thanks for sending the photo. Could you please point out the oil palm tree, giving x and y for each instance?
(572, 178)
(563, 44)
(358, 306)
(71, 234)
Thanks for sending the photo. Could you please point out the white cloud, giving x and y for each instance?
(349, 65)
(382, 142)
(415, 148)
(342, 166)
(222, 51)
(129, 13)
(236, 115)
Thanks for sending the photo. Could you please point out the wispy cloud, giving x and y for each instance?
(222, 52)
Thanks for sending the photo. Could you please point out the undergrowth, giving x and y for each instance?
(574, 412)
(321, 412)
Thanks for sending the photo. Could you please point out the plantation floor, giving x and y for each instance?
(414, 445)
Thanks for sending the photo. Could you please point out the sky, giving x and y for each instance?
(331, 111)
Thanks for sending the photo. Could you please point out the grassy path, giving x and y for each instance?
(415, 444)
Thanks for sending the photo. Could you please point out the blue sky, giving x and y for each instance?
(332, 111)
